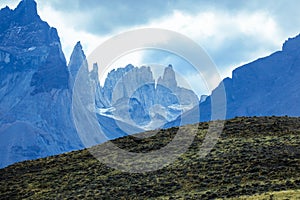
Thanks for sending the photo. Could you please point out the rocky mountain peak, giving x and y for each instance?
(292, 44)
(27, 11)
(35, 98)
(23, 28)
(131, 95)
(94, 72)
(77, 59)
(31, 45)
(78, 46)
(5, 10)
(28, 6)
(168, 80)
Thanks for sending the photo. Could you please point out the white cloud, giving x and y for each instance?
(217, 30)
(195, 82)
(135, 58)
(214, 28)
(69, 35)
(10, 3)
(231, 36)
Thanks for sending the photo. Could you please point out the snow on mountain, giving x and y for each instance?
(36, 91)
(131, 95)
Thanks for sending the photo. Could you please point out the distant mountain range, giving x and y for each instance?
(36, 91)
(268, 86)
(132, 95)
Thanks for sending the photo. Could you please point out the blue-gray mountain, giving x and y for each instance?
(110, 125)
(35, 115)
(133, 96)
(268, 86)
(130, 100)
(36, 90)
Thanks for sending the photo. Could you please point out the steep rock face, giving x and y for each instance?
(84, 81)
(131, 94)
(168, 80)
(121, 83)
(35, 115)
(33, 45)
(268, 86)
(77, 60)
(94, 78)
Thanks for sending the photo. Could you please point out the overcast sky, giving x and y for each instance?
(232, 32)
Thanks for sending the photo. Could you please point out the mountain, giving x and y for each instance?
(268, 86)
(35, 111)
(77, 60)
(258, 156)
(88, 81)
(132, 95)
(274, 80)
(36, 90)
(130, 101)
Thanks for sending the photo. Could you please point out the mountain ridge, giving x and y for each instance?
(264, 87)
(35, 112)
(133, 95)
(36, 90)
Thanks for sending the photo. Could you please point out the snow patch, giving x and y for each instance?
(31, 48)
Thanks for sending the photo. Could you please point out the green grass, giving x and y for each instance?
(287, 194)
(253, 156)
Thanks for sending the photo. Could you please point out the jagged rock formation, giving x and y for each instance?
(36, 90)
(168, 80)
(77, 60)
(35, 115)
(131, 94)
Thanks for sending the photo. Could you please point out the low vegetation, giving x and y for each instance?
(256, 158)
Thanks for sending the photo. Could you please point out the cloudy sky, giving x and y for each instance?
(232, 32)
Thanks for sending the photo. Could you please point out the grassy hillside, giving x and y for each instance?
(256, 158)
